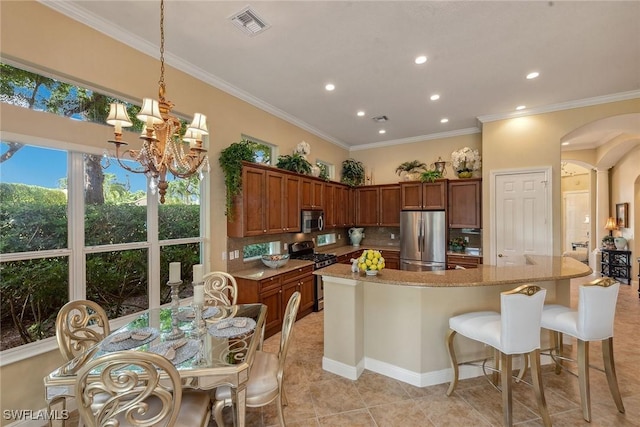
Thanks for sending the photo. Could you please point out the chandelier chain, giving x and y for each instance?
(161, 82)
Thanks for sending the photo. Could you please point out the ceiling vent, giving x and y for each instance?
(249, 21)
(381, 119)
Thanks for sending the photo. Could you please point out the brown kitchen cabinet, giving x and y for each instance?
(329, 207)
(465, 203)
(424, 195)
(269, 203)
(465, 261)
(391, 259)
(378, 205)
(311, 193)
(274, 292)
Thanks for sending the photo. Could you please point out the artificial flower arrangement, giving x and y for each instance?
(457, 244)
(465, 161)
(371, 261)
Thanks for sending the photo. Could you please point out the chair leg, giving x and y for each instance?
(583, 379)
(556, 345)
(280, 410)
(218, 406)
(454, 362)
(536, 376)
(523, 369)
(285, 402)
(505, 377)
(495, 375)
(610, 370)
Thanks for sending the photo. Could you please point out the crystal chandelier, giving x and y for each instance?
(162, 149)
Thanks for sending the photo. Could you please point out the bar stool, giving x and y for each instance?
(516, 330)
(593, 321)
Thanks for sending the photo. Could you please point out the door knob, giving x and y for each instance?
(499, 255)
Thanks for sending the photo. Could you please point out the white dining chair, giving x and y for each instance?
(220, 288)
(592, 321)
(515, 330)
(140, 389)
(267, 372)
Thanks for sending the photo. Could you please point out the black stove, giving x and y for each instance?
(306, 251)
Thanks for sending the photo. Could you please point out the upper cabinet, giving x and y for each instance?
(311, 193)
(424, 195)
(465, 203)
(378, 205)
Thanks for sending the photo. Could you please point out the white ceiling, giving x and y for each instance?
(478, 56)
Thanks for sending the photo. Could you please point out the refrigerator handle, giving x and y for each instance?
(421, 235)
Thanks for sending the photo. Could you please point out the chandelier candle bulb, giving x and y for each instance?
(197, 273)
(174, 272)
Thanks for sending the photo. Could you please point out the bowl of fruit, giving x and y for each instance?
(275, 261)
(371, 262)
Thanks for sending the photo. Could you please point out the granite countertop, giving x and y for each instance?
(264, 272)
(341, 250)
(538, 269)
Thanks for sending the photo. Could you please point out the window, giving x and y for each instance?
(326, 239)
(264, 152)
(327, 170)
(77, 225)
(255, 251)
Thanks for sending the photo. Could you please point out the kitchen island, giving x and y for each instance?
(395, 323)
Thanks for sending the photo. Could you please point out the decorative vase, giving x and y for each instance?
(356, 235)
(464, 173)
(371, 272)
(315, 171)
(620, 242)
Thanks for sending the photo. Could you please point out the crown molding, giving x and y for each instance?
(587, 102)
(126, 37)
(413, 139)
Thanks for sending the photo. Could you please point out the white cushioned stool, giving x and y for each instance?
(592, 321)
(516, 330)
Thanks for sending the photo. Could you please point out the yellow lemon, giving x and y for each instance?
(381, 260)
(374, 261)
(370, 255)
(368, 262)
(381, 266)
(376, 254)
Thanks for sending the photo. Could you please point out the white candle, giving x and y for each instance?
(174, 271)
(198, 294)
(197, 273)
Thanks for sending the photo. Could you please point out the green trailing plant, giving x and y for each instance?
(412, 166)
(430, 175)
(352, 173)
(324, 173)
(230, 160)
(295, 162)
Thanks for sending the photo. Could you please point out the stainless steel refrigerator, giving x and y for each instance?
(423, 245)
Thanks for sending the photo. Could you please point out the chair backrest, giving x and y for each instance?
(220, 288)
(290, 314)
(79, 325)
(521, 313)
(127, 387)
(597, 308)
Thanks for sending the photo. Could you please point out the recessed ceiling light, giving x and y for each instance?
(565, 143)
(435, 97)
(445, 120)
(330, 86)
(381, 131)
(533, 75)
(360, 113)
(521, 107)
(420, 59)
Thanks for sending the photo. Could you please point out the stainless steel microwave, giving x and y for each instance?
(312, 221)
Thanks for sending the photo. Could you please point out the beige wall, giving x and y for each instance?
(534, 141)
(383, 161)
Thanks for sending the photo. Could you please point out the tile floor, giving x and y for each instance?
(319, 398)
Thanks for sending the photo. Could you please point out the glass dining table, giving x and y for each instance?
(220, 354)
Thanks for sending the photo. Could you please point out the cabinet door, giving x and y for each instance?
(317, 194)
(254, 199)
(411, 195)
(391, 259)
(311, 193)
(329, 206)
(389, 208)
(351, 207)
(292, 203)
(273, 300)
(367, 200)
(340, 205)
(434, 195)
(465, 203)
(275, 185)
(306, 288)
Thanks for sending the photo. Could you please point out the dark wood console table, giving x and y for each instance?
(616, 264)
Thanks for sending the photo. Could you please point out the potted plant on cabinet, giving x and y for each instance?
(410, 170)
(608, 242)
(230, 160)
(352, 173)
(295, 162)
(430, 175)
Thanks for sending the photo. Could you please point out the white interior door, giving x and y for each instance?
(575, 213)
(522, 216)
